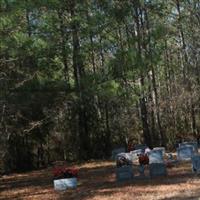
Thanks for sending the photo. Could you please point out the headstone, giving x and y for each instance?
(156, 156)
(124, 173)
(117, 151)
(157, 169)
(160, 148)
(194, 144)
(63, 184)
(185, 152)
(196, 164)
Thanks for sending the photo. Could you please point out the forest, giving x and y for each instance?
(81, 77)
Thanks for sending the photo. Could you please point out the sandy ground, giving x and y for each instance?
(97, 182)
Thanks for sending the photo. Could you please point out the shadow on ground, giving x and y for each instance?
(96, 182)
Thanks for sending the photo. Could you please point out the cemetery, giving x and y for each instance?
(128, 172)
(100, 100)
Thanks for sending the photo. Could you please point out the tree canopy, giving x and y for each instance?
(81, 77)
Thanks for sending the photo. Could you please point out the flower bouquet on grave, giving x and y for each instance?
(65, 178)
(64, 172)
(143, 159)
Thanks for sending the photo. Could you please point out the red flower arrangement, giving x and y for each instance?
(143, 159)
(63, 172)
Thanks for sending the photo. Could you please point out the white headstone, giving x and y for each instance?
(156, 156)
(63, 184)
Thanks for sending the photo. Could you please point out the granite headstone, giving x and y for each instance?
(185, 152)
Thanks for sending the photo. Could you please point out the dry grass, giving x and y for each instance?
(97, 182)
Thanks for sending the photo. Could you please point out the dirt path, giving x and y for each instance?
(97, 182)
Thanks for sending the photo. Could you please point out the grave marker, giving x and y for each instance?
(185, 152)
(156, 156)
(194, 144)
(63, 184)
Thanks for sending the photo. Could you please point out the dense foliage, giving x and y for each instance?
(78, 77)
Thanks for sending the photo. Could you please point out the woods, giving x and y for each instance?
(78, 78)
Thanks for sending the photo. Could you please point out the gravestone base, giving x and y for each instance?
(124, 173)
(157, 169)
(141, 177)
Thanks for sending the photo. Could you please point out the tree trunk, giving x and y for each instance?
(63, 45)
(84, 138)
(143, 107)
